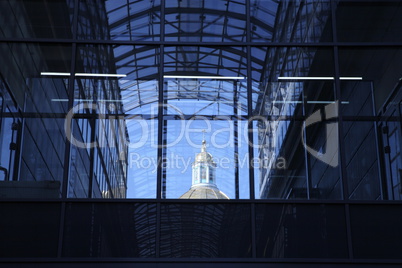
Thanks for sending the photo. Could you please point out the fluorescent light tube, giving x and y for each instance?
(100, 75)
(351, 78)
(305, 78)
(83, 74)
(55, 73)
(204, 77)
(317, 78)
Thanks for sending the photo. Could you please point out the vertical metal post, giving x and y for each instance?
(343, 173)
(250, 132)
(160, 133)
(67, 149)
(236, 137)
(307, 161)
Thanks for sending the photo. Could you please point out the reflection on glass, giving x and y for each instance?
(120, 20)
(366, 63)
(290, 21)
(183, 145)
(281, 160)
(118, 230)
(37, 19)
(357, 98)
(295, 83)
(301, 231)
(142, 157)
(384, 228)
(205, 21)
(205, 231)
(364, 21)
(361, 160)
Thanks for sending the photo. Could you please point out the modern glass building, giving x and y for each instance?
(104, 105)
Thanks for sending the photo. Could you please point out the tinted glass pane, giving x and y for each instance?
(41, 19)
(205, 230)
(29, 230)
(142, 158)
(390, 144)
(300, 231)
(361, 160)
(376, 231)
(109, 230)
(357, 98)
(374, 70)
(291, 21)
(364, 21)
(32, 118)
(292, 80)
(205, 21)
(281, 160)
(184, 152)
(119, 20)
(322, 145)
(37, 75)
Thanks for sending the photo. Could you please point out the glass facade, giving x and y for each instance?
(104, 105)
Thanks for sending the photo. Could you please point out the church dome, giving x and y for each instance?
(203, 179)
(204, 192)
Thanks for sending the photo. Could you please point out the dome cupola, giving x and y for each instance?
(203, 177)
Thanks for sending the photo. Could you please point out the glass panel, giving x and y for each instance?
(119, 20)
(301, 231)
(142, 158)
(376, 231)
(118, 78)
(205, 21)
(294, 81)
(361, 160)
(115, 91)
(365, 21)
(206, 80)
(205, 231)
(37, 76)
(280, 159)
(42, 157)
(322, 145)
(195, 174)
(390, 132)
(357, 98)
(206, 97)
(36, 19)
(110, 230)
(376, 69)
(30, 230)
(33, 81)
(291, 21)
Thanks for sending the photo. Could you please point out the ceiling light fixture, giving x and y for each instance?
(317, 78)
(83, 74)
(204, 77)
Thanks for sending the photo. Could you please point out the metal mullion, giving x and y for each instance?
(343, 174)
(156, 43)
(376, 124)
(307, 161)
(160, 134)
(67, 144)
(236, 137)
(250, 136)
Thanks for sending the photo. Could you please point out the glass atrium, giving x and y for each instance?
(105, 104)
